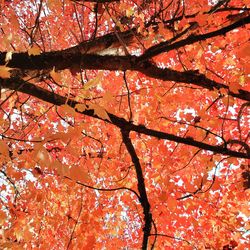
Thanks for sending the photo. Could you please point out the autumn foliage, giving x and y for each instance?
(124, 124)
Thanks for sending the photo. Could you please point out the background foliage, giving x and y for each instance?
(124, 124)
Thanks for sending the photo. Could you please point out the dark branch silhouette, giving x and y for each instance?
(141, 188)
(191, 39)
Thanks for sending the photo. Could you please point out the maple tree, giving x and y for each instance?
(124, 124)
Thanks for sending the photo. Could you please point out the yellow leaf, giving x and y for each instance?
(34, 51)
(18, 232)
(93, 82)
(159, 98)
(55, 75)
(4, 72)
(242, 80)
(8, 56)
(214, 49)
(229, 61)
(80, 107)
(130, 12)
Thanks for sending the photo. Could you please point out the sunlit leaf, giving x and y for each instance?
(4, 72)
(108, 97)
(80, 107)
(8, 56)
(93, 82)
(234, 87)
(55, 75)
(100, 111)
(34, 50)
(68, 110)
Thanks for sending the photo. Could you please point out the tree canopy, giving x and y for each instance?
(124, 124)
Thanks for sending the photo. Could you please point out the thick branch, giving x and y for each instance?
(76, 56)
(141, 188)
(79, 57)
(45, 95)
(110, 40)
(193, 77)
(64, 60)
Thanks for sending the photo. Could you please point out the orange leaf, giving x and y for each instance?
(171, 203)
(4, 72)
(80, 107)
(3, 217)
(34, 51)
(100, 111)
(55, 75)
(4, 149)
(78, 174)
(163, 196)
(234, 87)
(68, 110)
